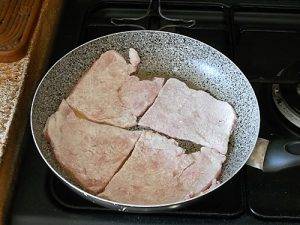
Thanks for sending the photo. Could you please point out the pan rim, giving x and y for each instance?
(137, 207)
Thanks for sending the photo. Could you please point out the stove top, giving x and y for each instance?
(227, 202)
(261, 37)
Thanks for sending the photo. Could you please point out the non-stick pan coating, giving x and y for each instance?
(162, 53)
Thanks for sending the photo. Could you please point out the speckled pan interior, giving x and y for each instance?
(164, 53)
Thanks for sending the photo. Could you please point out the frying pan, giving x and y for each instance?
(172, 55)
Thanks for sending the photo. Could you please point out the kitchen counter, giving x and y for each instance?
(18, 82)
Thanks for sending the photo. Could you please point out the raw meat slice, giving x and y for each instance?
(97, 95)
(138, 95)
(204, 172)
(159, 172)
(215, 183)
(134, 58)
(91, 153)
(191, 115)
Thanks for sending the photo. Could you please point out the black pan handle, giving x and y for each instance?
(282, 154)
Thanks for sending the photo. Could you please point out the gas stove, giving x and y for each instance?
(262, 38)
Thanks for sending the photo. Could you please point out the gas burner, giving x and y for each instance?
(287, 96)
(153, 13)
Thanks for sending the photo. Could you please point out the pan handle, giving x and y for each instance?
(282, 154)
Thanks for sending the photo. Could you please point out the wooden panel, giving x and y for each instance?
(16, 27)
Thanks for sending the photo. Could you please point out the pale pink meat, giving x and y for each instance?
(159, 172)
(205, 172)
(91, 153)
(97, 95)
(214, 184)
(134, 58)
(187, 114)
(138, 95)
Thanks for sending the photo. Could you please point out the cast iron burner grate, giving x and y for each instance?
(228, 201)
(275, 195)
